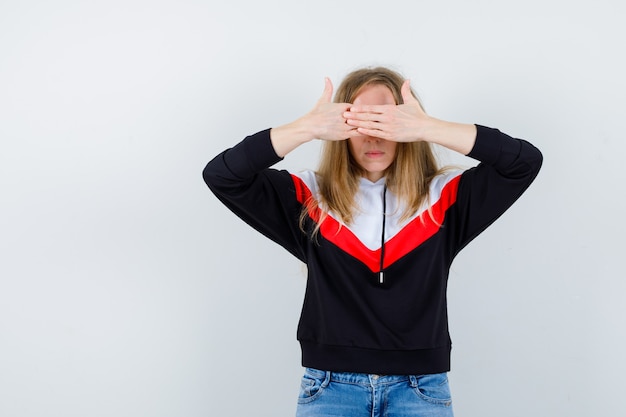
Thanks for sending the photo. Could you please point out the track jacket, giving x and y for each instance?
(375, 298)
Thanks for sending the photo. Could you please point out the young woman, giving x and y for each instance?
(378, 225)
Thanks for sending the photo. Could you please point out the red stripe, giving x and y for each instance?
(416, 232)
(423, 227)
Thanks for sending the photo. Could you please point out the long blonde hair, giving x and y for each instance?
(338, 174)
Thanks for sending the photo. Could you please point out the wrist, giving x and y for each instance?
(287, 137)
(431, 128)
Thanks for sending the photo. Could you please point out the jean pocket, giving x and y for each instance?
(312, 385)
(433, 388)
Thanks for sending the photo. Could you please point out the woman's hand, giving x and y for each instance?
(398, 123)
(409, 123)
(325, 121)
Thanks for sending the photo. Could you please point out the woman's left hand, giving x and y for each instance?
(398, 123)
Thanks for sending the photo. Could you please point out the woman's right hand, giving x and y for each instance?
(325, 121)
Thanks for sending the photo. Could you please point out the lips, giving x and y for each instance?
(374, 154)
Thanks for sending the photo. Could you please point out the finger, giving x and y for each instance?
(375, 133)
(407, 95)
(372, 108)
(354, 133)
(365, 124)
(367, 116)
(327, 95)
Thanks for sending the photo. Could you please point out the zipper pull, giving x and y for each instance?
(381, 277)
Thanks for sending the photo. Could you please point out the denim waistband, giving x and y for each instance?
(358, 379)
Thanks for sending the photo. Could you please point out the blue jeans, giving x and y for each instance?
(326, 394)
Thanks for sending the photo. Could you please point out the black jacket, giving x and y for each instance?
(355, 319)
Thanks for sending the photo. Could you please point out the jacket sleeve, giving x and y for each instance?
(264, 198)
(507, 168)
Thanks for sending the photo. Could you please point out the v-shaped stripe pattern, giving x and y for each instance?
(411, 236)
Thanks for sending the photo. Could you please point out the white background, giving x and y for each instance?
(126, 289)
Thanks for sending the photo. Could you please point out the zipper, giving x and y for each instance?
(381, 274)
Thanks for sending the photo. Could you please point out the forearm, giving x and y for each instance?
(288, 137)
(459, 137)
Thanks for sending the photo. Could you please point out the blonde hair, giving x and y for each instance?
(338, 174)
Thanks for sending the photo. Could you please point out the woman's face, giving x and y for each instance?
(374, 155)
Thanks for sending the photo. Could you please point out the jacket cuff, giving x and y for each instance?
(493, 147)
(252, 155)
